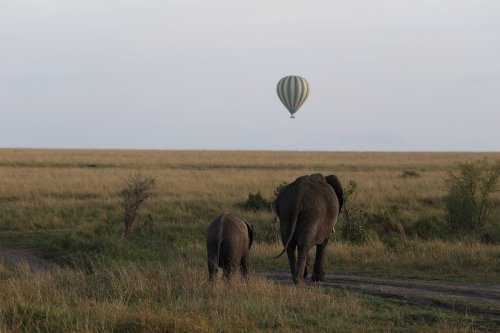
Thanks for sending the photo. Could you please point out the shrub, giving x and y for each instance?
(137, 189)
(355, 220)
(467, 202)
(354, 230)
(391, 242)
(491, 233)
(392, 227)
(429, 227)
(409, 173)
(384, 224)
(256, 202)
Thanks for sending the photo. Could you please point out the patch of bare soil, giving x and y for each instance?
(19, 256)
(474, 299)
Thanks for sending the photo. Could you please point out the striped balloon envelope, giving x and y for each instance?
(293, 91)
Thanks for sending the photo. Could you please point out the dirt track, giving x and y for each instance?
(465, 298)
(18, 256)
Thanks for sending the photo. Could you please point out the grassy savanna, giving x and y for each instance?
(64, 205)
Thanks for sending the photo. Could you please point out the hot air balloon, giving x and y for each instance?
(292, 91)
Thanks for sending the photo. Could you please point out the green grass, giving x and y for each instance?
(429, 260)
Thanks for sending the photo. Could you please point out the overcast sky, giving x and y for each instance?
(416, 75)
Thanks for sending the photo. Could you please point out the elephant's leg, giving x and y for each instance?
(231, 263)
(244, 266)
(228, 271)
(227, 264)
(319, 263)
(292, 260)
(306, 269)
(303, 249)
(212, 268)
(213, 259)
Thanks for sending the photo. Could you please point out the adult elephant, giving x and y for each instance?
(308, 210)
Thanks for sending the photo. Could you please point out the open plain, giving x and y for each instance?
(60, 211)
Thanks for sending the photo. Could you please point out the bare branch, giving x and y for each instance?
(137, 189)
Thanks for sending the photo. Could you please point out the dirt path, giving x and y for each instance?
(465, 298)
(18, 256)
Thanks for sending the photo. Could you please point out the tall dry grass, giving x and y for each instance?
(67, 201)
(54, 188)
(434, 259)
(154, 298)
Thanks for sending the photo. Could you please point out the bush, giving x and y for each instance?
(391, 242)
(409, 173)
(137, 189)
(491, 234)
(429, 227)
(256, 202)
(355, 220)
(355, 230)
(467, 202)
(386, 226)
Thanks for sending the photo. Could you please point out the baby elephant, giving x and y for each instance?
(229, 238)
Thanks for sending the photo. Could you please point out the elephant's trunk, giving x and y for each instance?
(292, 230)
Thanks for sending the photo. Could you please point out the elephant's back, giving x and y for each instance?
(228, 230)
(213, 231)
(291, 192)
(314, 190)
(317, 199)
(234, 228)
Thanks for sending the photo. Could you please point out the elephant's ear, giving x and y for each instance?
(337, 187)
(250, 234)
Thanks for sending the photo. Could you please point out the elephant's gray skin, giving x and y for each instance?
(308, 210)
(229, 239)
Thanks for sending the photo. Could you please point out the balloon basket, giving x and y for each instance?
(292, 117)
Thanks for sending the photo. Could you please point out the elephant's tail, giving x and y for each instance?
(295, 216)
(220, 234)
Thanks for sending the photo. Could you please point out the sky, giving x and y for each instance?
(386, 75)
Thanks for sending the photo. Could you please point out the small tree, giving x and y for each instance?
(256, 202)
(137, 189)
(354, 229)
(467, 201)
